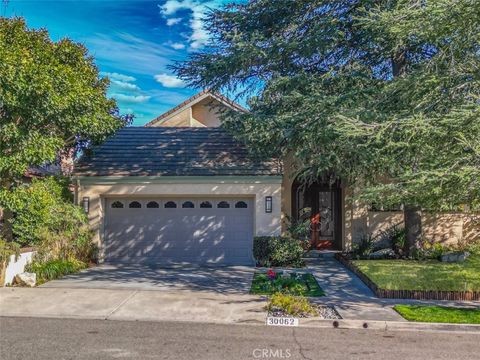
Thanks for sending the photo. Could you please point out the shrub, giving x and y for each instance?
(394, 237)
(291, 305)
(262, 250)
(7, 249)
(286, 252)
(277, 251)
(299, 229)
(473, 247)
(54, 269)
(364, 246)
(44, 217)
(41, 206)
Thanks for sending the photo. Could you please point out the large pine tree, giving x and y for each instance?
(383, 94)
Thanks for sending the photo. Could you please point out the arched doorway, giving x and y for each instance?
(320, 204)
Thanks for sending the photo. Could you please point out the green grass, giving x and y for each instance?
(423, 275)
(439, 314)
(301, 284)
(55, 269)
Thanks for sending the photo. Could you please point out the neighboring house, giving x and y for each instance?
(183, 190)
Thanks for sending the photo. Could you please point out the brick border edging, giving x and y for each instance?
(408, 294)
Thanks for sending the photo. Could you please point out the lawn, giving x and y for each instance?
(296, 284)
(423, 275)
(439, 314)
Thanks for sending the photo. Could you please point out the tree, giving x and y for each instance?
(363, 90)
(52, 101)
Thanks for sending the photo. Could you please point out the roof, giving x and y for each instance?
(193, 100)
(173, 151)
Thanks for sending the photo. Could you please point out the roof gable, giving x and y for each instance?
(171, 117)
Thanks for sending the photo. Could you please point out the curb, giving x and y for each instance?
(303, 323)
(390, 325)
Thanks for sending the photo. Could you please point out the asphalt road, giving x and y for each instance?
(36, 338)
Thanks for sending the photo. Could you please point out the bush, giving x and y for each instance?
(364, 246)
(43, 205)
(278, 251)
(291, 305)
(473, 247)
(54, 269)
(299, 229)
(7, 249)
(262, 250)
(45, 217)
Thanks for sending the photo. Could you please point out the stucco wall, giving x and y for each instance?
(206, 113)
(180, 119)
(264, 223)
(444, 228)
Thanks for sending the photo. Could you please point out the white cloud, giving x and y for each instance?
(173, 21)
(117, 76)
(172, 6)
(199, 35)
(177, 46)
(134, 55)
(131, 99)
(169, 81)
(122, 85)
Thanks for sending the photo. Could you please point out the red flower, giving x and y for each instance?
(271, 274)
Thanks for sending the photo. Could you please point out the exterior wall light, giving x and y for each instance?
(268, 204)
(86, 204)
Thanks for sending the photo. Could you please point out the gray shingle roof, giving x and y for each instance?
(170, 151)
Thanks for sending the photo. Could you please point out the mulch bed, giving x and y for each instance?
(408, 294)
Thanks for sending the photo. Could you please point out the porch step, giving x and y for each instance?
(315, 254)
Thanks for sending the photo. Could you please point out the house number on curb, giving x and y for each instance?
(281, 321)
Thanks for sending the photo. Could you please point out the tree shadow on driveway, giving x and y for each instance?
(225, 280)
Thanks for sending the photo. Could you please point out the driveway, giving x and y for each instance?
(224, 280)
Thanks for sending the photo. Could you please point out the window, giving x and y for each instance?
(135, 205)
(241, 205)
(223, 205)
(117, 205)
(153, 205)
(188, 205)
(170, 205)
(206, 205)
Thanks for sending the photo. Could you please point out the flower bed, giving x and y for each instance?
(286, 305)
(294, 283)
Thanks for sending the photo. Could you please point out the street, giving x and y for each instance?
(41, 338)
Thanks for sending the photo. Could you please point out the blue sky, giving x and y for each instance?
(132, 41)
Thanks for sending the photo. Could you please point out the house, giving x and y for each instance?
(182, 190)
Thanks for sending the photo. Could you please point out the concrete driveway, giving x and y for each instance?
(224, 280)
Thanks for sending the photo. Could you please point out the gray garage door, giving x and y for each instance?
(174, 230)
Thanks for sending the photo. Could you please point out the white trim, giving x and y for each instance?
(108, 180)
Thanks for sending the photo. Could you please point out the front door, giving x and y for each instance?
(319, 204)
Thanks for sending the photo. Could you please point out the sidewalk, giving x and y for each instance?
(353, 299)
(117, 304)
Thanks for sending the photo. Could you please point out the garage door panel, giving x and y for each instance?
(212, 231)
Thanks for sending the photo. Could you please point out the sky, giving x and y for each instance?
(133, 42)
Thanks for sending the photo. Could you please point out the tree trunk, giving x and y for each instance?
(399, 62)
(412, 214)
(413, 227)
